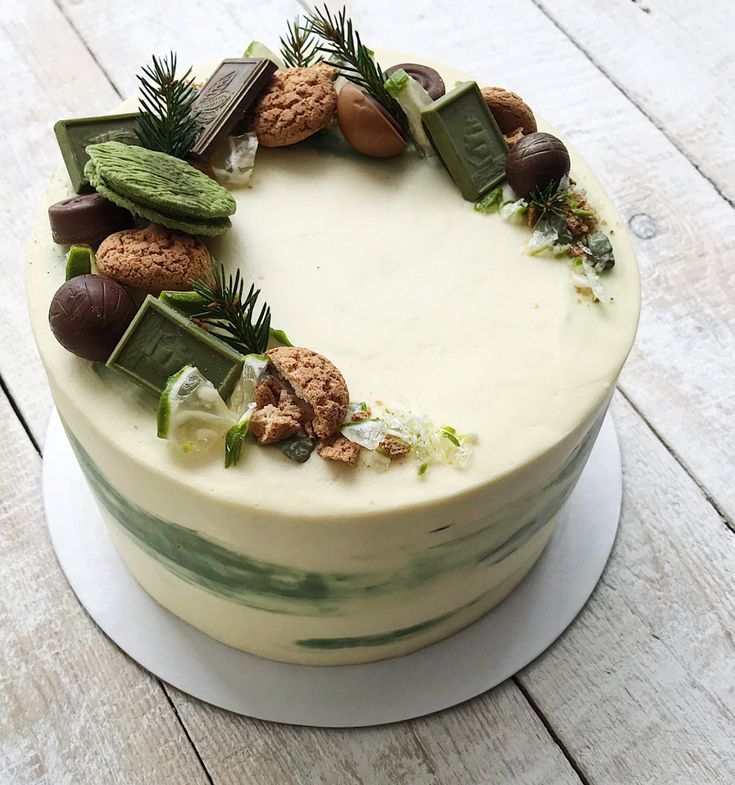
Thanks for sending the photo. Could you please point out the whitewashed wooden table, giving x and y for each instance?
(641, 689)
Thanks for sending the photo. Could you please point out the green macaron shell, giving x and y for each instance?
(157, 181)
(204, 228)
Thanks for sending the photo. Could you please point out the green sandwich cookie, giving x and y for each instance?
(158, 187)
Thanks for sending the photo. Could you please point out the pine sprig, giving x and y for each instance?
(230, 315)
(167, 122)
(341, 41)
(299, 48)
(551, 200)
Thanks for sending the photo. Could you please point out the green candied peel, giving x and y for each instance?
(430, 444)
(259, 50)
(186, 303)
(236, 436)
(79, 261)
(413, 99)
(280, 336)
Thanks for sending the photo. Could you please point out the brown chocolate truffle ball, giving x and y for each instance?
(366, 125)
(536, 162)
(89, 314)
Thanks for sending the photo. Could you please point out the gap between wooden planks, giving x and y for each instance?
(674, 60)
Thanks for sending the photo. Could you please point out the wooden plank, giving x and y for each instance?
(496, 738)
(48, 74)
(197, 33)
(675, 60)
(642, 687)
(73, 707)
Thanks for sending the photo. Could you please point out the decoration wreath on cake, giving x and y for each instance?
(144, 295)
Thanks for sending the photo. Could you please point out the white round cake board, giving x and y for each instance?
(442, 675)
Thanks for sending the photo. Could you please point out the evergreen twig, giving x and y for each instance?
(167, 121)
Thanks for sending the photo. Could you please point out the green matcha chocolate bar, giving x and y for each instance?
(74, 135)
(467, 139)
(160, 342)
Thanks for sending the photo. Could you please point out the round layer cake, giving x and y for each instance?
(381, 266)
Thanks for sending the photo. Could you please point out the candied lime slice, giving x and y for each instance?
(79, 261)
(191, 413)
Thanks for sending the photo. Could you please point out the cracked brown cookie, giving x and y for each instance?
(315, 381)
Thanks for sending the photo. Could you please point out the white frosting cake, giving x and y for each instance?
(381, 266)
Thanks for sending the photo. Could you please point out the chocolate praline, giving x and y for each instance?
(366, 125)
(535, 162)
(426, 76)
(89, 314)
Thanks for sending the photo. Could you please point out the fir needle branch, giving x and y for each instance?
(299, 47)
(341, 41)
(231, 314)
(167, 122)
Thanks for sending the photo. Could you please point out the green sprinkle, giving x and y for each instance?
(491, 202)
(422, 469)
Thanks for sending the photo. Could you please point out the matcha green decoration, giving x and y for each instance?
(79, 261)
(160, 341)
(160, 188)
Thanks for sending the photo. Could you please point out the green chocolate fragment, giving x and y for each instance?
(468, 140)
(79, 261)
(297, 448)
(160, 341)
(74, 135)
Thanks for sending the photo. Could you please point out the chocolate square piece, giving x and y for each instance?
(160, 342)
(225, 98)
(74, 135)
(467, 139)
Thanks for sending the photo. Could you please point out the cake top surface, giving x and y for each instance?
(419, 300)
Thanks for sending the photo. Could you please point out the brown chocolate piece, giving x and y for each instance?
(89, 314)
(536, 162)
(366, 125)
(427, 77)
(225, 98)
(86, 219)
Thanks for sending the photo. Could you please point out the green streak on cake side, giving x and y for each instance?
(378, 639)
(211, 565)
(385, 638)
